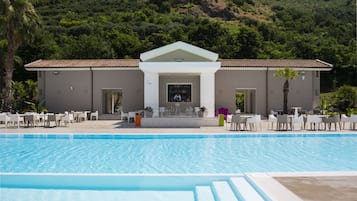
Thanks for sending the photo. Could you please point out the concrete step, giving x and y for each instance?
(204, 193)
(223, 191)
(243, 188)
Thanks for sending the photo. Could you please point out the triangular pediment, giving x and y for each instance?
(178, 52)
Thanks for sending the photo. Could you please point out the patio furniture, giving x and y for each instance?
(197, 111)
(67, 118)
(353, 121)
(229, 119)
(254, 122)
(334, 120)
(272, 119)
(283, 122)
(237, 121)
(49, 118)
(123, 115)
(131, 115)
(314, 120)
(297, 120)
(344, 120)
(94, 115)
(16, 119)
(4, 118)
(29, 119)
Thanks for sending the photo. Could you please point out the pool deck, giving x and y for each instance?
(304, 186)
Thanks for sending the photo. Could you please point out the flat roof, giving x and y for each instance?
(134, 63)
(83, 63)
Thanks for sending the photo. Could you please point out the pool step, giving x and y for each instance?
(241, 186)
(232, 189)
(223, 191)
(204, 193)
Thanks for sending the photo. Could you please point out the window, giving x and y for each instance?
(179, 92)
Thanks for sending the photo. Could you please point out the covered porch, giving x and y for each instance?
(179, 80)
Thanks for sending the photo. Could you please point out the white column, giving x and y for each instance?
(207, 86)
(151, 92)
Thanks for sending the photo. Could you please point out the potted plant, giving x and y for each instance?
(203, 111)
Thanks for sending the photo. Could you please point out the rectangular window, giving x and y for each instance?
(179, 92)
(317, 74)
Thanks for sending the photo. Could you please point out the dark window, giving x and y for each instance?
(179, 92)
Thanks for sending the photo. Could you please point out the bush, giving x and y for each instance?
(345, 98)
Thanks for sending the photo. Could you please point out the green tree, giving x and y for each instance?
(286, 74)
(345, 98)
(19, 20)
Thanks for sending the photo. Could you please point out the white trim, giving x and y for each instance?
(80, 68)
(115, 68)
(59, 69)
(323, 62)
(179, 67)
(179, 46)
(39, 60)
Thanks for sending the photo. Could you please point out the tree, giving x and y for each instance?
(345, 98)
(286, 74)
(20, 20)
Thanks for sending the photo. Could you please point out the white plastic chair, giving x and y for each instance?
(94, 115)
(353, 121)
(297, 120)
(314, 120)
(344, 120)
(67, 118)
(254, 122)
(272, 119)
(123, 115)
(283, 122)
(16, 119)
(4, 118)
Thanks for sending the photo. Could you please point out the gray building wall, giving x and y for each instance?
(131, 82)
(302, 93)
(65, 91)
(227, 81)
(71, 90)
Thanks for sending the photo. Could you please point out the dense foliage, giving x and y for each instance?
(309, 29)
(26, 97)
(343, 100)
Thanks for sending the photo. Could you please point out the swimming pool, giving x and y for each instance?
(165, 167)
(177, 154)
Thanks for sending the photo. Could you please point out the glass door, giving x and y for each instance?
(245, 100)
(112, 101)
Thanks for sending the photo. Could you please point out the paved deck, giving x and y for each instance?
(118, 126)
(322, 188)
(308, 187)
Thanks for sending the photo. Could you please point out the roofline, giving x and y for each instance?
(323, 62)
(274, 68)
(179, 45)
(36, 61)
(80, 68)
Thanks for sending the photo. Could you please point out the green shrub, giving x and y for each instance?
(345, 98)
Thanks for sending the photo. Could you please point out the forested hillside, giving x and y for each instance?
(277, 29)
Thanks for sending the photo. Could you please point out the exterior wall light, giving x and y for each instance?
(303, 75)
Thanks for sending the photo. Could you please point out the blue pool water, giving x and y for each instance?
(177, 154)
